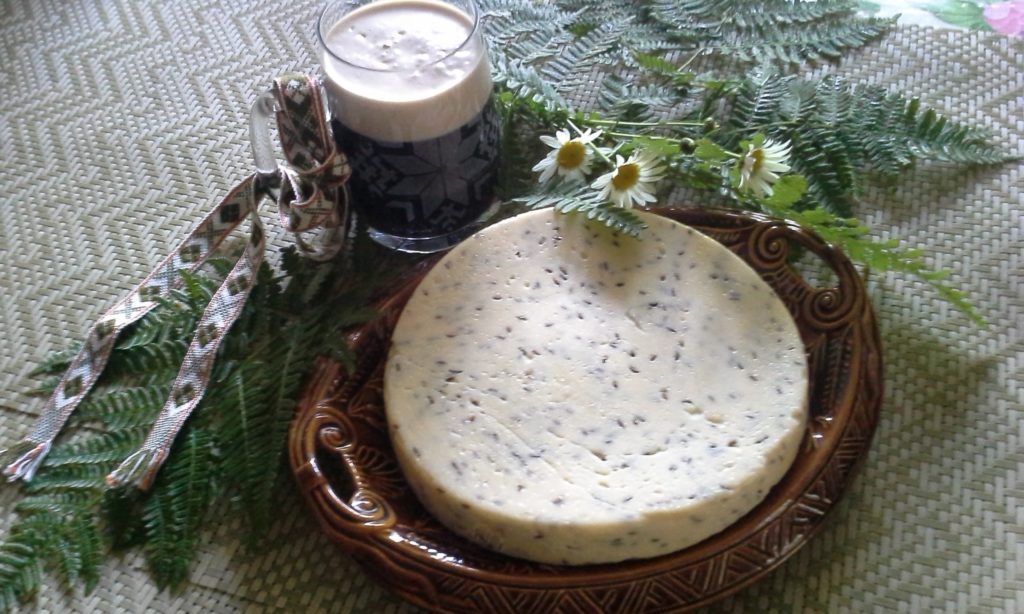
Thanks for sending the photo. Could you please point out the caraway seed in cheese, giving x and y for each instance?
(561, 393)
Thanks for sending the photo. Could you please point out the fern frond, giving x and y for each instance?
(789, 33)
(124, 408)
(505, 20)
(247, 433)
(933, 136)
(105, 451)
(52, 503)
(68, 540)
(123, 518)
(811, 44)
(55, 363)
(20, 569)
(822, 157)
(537, 45)
(796, 13)
(162, 355)
(852, 237)
(178, 503)
(53, 481)
(629, 101)
(526, 82)
(576, 61)
(87, 542)
(758, 102)
(45, 387)
(255, 402)
(170, 317)
(585, 201)
(647, 38)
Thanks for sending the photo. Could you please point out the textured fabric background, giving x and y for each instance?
(122, 121)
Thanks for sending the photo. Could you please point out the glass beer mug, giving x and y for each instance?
(409, 91)
(408, 84)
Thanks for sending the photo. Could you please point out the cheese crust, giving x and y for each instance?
(565, 394)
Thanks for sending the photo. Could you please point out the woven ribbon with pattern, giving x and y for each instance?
(310, 198)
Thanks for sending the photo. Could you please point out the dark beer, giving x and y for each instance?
(409, 87)
(424, 189)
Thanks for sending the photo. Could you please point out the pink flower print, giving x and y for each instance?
(1006, 17)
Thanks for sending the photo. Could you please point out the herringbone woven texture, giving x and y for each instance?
(122, 121)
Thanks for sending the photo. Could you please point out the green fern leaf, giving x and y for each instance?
(54, 481)
(796, 13)
(162, 355)
(585, 201)
(629, 101)
(758, 103)
(575, 62)
(255, 401)
(789, 33)
(57, 503)
(130, 407)
(810, 45)
(45, 387)
(104, 451)
(55, 363)
(852, 237)
(20, 569)
(175, 510)
(88, 543)
(526, 82)
(821, 157)
(123, 518)
(70, 543)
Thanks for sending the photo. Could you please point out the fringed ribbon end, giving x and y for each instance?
(139, 469)
(27, 455)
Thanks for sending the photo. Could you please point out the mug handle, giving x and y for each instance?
(272, 175)
(260, 116)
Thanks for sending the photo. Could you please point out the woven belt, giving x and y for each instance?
(311, 197)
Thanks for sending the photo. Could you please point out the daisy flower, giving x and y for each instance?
(761, 164)
(631, 182)
(569, 157)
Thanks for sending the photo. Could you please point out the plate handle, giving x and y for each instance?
(338, 456)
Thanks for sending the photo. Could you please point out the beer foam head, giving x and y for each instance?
(405, 70)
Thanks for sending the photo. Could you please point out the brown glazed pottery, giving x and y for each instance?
(347, 472)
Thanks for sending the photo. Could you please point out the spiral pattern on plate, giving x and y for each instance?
(372, 509)
(334, 432)
(769, 246)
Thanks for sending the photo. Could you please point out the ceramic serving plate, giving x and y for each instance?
(347, 472)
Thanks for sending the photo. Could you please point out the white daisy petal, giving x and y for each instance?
(548, 173)
(760, 166)
(603, 180)
(632, 181)
(570, 158)
(550, 141)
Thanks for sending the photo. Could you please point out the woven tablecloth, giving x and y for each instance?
(122, 121)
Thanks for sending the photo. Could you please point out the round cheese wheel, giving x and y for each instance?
(562, 393)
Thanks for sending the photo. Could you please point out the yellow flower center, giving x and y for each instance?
(572, 154)
(758, 156)
(626, 177)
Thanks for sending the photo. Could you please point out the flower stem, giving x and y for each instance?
(601, 154)
(685, 64)
(630, 135)
(654, 124)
